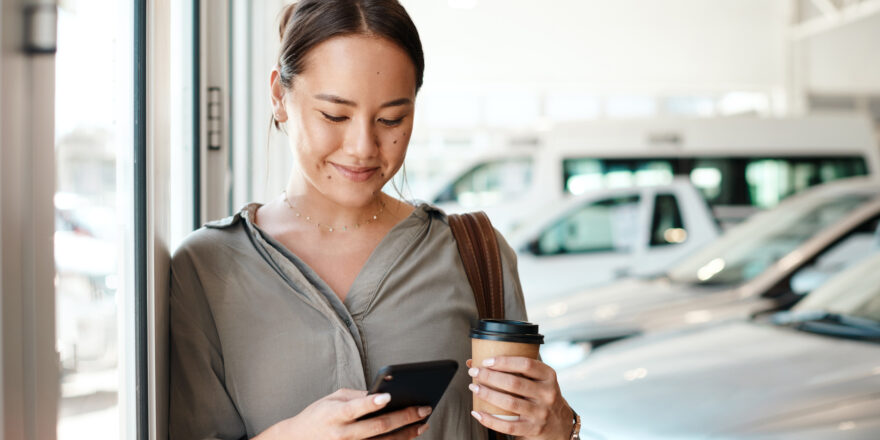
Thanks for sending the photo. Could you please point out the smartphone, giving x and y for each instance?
(415, 384)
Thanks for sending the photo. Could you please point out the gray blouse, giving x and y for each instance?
(257, 336)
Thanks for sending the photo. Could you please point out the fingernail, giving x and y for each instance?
(422, 429)
(473, 372)
(424, 411)
(382, 399)
(474, 387)
(489, 362)
(476, 415)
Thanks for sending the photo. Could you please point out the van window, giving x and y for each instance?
(759, 182)
(490, 182)
(589, 174)
(764, 182)
(667, 227)
(605, 225)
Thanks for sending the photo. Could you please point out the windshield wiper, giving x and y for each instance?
(831, 324)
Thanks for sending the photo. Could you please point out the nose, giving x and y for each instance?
(363, 141)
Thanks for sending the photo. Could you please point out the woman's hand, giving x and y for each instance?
(334, 417)
(527, 387)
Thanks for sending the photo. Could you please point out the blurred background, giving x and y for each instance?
(691, 187)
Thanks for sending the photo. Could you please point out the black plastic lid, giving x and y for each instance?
(507, 331)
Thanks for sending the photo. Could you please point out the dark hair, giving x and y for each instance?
(307, 23)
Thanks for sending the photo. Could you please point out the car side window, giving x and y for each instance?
(491, 182)
(667, 227)
(607, 225)
(858, 244)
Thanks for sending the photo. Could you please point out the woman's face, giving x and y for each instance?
(350, 113)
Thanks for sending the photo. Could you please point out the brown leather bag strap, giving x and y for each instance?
(481, 257)
(478, 248)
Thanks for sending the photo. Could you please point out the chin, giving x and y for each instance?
(354, 198)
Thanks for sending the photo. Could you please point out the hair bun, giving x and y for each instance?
(286, 15)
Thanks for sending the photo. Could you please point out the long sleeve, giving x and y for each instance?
(200, 406)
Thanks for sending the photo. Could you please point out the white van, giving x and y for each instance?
(738, 164)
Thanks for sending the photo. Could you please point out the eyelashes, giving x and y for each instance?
(392, 123)
(332, 118)
(385, 122)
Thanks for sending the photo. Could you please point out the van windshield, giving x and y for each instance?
(753, 246)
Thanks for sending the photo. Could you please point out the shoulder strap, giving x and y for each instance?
(478, 247)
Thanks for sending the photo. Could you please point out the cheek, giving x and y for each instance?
(318, 139)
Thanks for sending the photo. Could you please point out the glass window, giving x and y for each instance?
(854, 292)
(667, 227)
(608, 225)
(490, 183)
(771, 180)
(589, 174)
(745, 252)
(93, 139)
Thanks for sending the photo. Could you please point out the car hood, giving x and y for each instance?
(738, 379)
(636, 305)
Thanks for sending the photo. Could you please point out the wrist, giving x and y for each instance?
(575, 433)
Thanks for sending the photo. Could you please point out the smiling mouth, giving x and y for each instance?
(355, 174)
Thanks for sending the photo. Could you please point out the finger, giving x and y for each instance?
(386, 423)
(362, 406)
(507, 382)
(517, 428)
(523, 407)
(528, 367)
(346, 394)
(404, 434)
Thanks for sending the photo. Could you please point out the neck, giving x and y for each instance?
(315, 208)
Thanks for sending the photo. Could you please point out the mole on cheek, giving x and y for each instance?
(328, 177)
(395, 141)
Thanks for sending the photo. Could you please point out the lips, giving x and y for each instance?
(356, 174)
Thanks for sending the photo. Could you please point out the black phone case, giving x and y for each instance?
(415, 384)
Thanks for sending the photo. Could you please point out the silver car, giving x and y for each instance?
(811, 373)
(747, 271)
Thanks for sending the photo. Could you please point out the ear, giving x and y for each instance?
(278, 92)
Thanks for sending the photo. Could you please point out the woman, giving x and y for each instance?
(281, 314)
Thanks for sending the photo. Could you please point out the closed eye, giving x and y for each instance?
(392, 122)
(332, 118)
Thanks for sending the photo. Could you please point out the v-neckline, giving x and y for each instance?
(353, 301)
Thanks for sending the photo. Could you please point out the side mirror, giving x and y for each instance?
(448, 195)
(534, 247)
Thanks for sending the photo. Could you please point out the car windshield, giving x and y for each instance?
(854, 292)
(747, 250)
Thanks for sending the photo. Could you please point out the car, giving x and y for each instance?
(86, 284)
(747, 270)
(604, 235)
(809, 373)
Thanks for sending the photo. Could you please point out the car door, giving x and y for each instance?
(588, 245)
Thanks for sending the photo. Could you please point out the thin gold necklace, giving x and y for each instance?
(331, 228)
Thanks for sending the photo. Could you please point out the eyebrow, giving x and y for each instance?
(337, 100)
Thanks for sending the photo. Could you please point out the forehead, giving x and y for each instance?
(359, 66)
